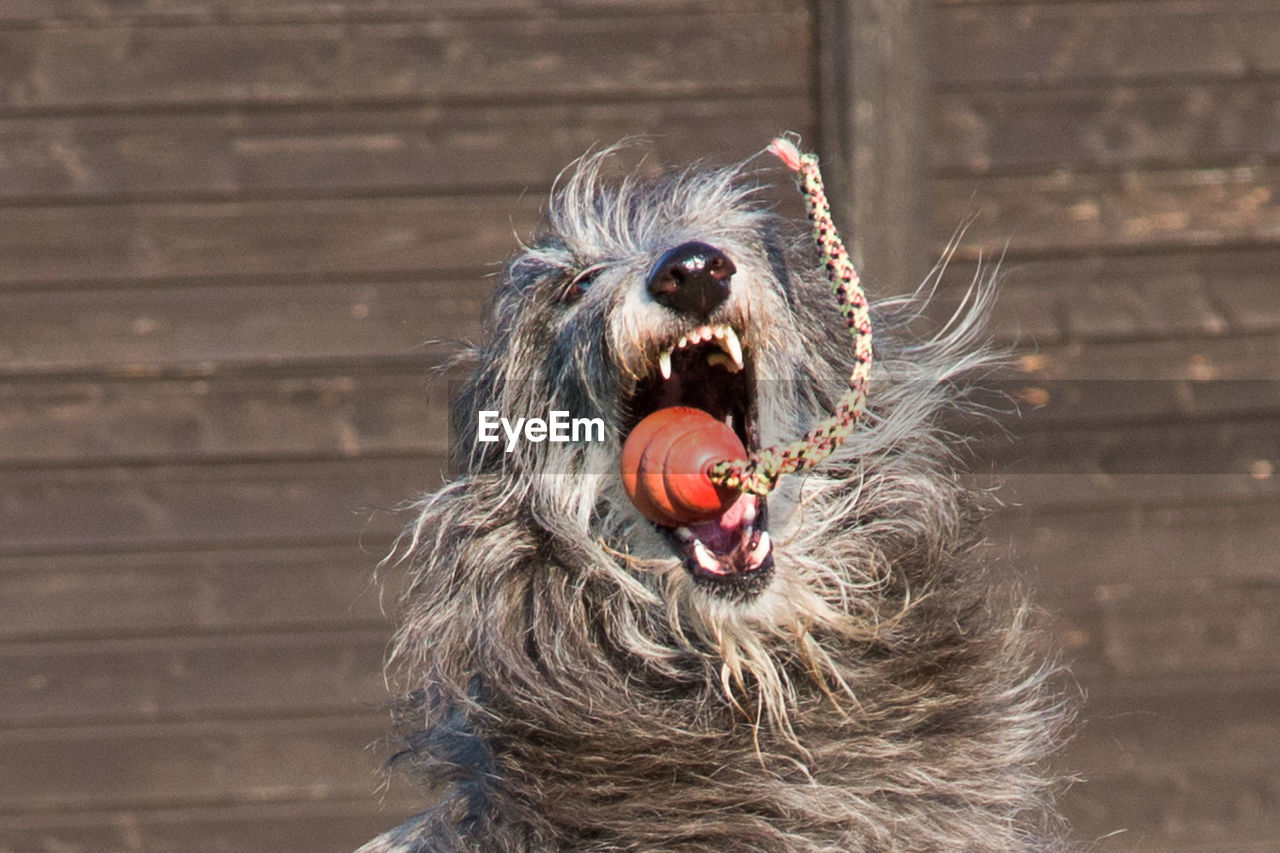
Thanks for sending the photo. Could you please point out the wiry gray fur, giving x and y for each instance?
(568, 687)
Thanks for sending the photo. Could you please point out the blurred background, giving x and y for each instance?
(227, 228)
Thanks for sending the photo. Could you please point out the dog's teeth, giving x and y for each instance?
(732, 346)
(749, 512)
(664, 364)
(761, 550)
(704, 557)
(719, 358)
(683, 342)
(705, 333)
(718, 331)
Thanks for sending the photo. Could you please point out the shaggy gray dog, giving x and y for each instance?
(579, 678)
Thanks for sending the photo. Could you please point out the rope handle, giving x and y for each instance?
(759, 472)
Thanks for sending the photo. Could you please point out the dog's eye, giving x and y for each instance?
(581, 283)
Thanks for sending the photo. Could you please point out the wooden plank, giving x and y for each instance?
(1187, 767)
(156, 765)
(1103, 212)
(202, 11)
(230, 239)
(225, 590)
(1143, 296)
(1160, 125)
(1203, 628)
(1206, 448)
(441, 148)
(1202, 811)
(299, 827)
(203, 327)
(86, 510)
(511, 59)
(117, 422)
(1070, 552)
(61, 683)
(874, 93)
(1069, 489)
(1037, 44)
(1198, 362)
(1118, 465)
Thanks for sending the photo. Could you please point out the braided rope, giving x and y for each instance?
(759, 473)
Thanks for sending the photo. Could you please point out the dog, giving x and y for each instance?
(828, 668)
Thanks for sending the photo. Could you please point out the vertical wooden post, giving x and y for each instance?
(873, 123)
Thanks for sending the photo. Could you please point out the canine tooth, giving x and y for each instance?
(733, 346)
(762, 548)
(704, 557)
(719, 358)
(684, 533)
(664, 363)
(749, 512)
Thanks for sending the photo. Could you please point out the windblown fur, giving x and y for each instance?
(569, 686)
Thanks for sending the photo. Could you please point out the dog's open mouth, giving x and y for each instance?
(707, 369)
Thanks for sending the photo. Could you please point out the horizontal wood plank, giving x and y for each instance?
(208, 327)
(1143, 296)
(1093, 213)
(989, 45)
(1197, 361)
(441, 148)
(96, 681)
(508, 58)
(1158, 125)
(1201, 629)
(85, 510)
(1197, 767)
(320, 826)
(1070, 552)
(203, 11)
(225, 591)
(231, 239)
(120, 421)
(156, 765)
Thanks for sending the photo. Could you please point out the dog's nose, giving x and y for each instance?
(692, 278)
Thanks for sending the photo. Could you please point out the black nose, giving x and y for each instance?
(692, 278)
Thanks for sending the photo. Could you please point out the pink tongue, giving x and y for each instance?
(723, 534)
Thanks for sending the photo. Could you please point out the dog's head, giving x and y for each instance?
(642, 294)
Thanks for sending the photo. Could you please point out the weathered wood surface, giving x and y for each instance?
(286, 827)
(1036, 44)
(204, 11)
(232, 227)
(83, 510)
(504, 59)
(1136, 126)
(96, 767)
(224, 591)
(342, 150)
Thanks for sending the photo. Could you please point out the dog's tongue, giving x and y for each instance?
(724, 533)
